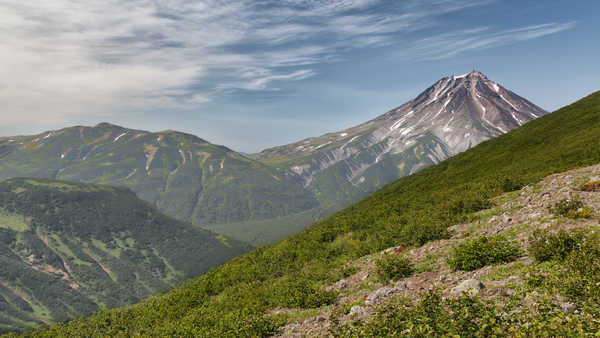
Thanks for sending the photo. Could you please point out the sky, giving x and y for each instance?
(253, 74)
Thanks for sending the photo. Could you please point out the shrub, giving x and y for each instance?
(574, 272)
(420, 234)
(572, 208)
(394, 267)
(349, 271)
(591, 186)
(583, 265)
(544, 246)
(477, 253)
(299, 292)
(511, 184)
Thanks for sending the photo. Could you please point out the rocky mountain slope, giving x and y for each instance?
(70, 249)
(366, 298)
(250, 294)
(453, 115)
(181, 174)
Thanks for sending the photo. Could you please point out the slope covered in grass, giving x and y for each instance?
(233, 299)
(71, 249)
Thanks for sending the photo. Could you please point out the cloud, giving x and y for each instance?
(64, 58)
(261, 81)
(453, 43)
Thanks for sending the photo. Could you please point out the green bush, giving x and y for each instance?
(299, 292)
(583, 281)
(511, 184)
(349, 271)
(571, 208)
(394, 267)
(574, 270)
(420, 234)
(544, 246)
(590, 186)
(477, 253)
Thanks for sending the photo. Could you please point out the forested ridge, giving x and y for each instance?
(70, 249)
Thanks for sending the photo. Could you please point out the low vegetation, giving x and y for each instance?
(593, 186)
(571, 208)
(572, 265)
(477, 253)
(544, 246)
(393, 266)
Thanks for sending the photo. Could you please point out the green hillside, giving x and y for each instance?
(247, 296)
(70, 249)
(182, 175)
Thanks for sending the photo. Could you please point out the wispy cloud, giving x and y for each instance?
(62, 58)
(453, 43)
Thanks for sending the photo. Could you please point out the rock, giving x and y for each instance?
(532, 299)
(513, 278)
(401, 285)
(508, 292)
(342, 284)
(390, 250)
(317, 319)
(377, 295)
(337, 286)
(470, 287)
(567, 307)
(560, 298)
(357, 310)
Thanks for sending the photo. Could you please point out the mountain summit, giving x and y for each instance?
(461, 111)
(451, 116)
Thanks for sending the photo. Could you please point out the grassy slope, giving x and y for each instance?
(68, 249)
(231, 300)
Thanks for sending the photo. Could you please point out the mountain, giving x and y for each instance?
(453, 115)
(70, 249)
(265, 197)
(181, 174)
(257, 293)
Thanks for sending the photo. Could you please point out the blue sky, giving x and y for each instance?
(251, 74)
